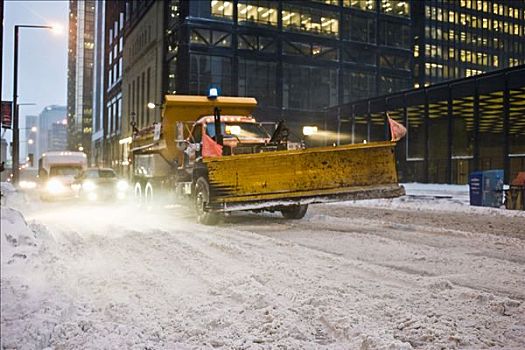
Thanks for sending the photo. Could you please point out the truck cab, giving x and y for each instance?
(240, 135)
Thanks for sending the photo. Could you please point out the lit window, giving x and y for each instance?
(257, 14)
(395, 7)
(451, 16)
(222, 8)
(310, 21)
(365, 5)
(513, 62)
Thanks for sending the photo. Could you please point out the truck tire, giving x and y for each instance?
(137, 191)
(294, 212)
(148, 194)
(202, 197)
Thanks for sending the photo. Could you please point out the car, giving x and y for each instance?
(100, 184)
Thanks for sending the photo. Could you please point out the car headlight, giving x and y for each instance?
(27, 185)
(88, 186)
(122, 185)
(55, 187)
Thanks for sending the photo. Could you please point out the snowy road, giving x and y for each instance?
(348, 276)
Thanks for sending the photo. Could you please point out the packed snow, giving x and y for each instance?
(424, 271)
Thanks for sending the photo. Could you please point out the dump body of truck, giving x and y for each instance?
(176, 157)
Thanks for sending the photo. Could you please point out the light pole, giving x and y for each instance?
(16, 130)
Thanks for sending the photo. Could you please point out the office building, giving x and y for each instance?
(80, 74)
(50, 138)
(57, 137)
(298, 58)
(97, 138)
(456, 39)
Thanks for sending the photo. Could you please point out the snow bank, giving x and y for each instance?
(435, 197)
(29, 306)
(17, 240)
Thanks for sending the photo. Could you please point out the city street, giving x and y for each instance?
(419, 272)
(227, 174)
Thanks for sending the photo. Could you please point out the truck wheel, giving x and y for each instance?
(294, 212)
(148, 194)
(138, 193)
(202, 197)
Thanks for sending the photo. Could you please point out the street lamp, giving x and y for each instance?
(16, 131)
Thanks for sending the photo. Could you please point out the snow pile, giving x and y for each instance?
(434, 197)
(17, 240)
(30, 306)
(13, 198)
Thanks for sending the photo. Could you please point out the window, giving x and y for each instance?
(388, 84)
(262, 12)
(359, 28)
(208, 37)
(221, 8)
(258, 79)
(395, 62)
(394, 34)
(395, 7)
(196, 134)
(206, 70)
(310, 50)
(359, 55)
(358, 85)
(309, 88)
(310, 20)
(365, 5)
(257, 43)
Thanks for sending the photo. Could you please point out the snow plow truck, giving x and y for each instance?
(212, 152)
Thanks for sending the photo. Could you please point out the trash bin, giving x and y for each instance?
(486, 188)
(475, 182)
(492, 188)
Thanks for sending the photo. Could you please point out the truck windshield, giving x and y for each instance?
(239, 130)
(64, 170)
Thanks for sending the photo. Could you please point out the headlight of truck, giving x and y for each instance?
(88, 186)
(27, 185)
(55, 187)
(122, 185)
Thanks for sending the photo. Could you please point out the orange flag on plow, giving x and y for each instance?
(397, 130)
(210, 148)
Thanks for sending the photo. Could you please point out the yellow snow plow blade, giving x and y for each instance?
(313, 175)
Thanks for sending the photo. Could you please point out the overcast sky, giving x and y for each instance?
(42, 55)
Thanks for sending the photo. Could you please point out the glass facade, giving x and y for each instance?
(296, 57)
(454, 128)
(80, 74)
(464, 38)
